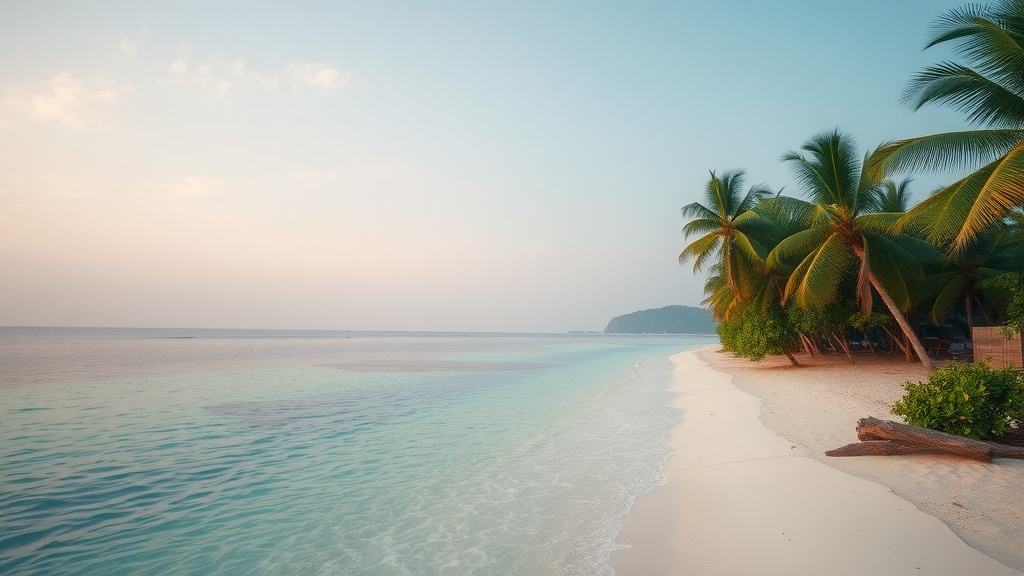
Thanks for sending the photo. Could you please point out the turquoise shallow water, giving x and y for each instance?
(263, 452)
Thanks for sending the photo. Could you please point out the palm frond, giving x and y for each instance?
(753, 196)
(896, 268)
(700, 226)
(815, 282)
(719, 298)
(925, 254)
(793, 213)
(751, 254)
(947, 298)
(748, 273)
(888, 196)
(795, 248)
(723, 193)
(762, 233)
(965, 209)
(985, 102)
(947, 151)
(698, 211)
(879, 222)
(956, 23)
(829, 173)
(700, 250)
(766, 294)
(1006, 258)
(989, 37)
(870, 189)
(1002, 193)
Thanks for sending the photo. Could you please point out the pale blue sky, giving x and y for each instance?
(484, 166)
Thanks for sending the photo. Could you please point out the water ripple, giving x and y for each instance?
(310, 469)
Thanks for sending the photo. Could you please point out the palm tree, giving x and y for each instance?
(845, 234)
(721, 225)
(998, 250)
(989, 89)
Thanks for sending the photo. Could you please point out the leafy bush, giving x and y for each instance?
(831, 318)
(971, 400)
(728, 330)
(1015, 310)
(1008, 290)
(862, 321)
(756, 334)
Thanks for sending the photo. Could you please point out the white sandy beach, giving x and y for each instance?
(750, 490)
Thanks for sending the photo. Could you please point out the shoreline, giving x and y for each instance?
(750, 490)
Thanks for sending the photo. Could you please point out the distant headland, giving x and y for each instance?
(667, 320)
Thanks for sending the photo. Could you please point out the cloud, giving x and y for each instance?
(70, 101)
(222, 77)
(178, 70)
(242, 74)
(217, 77)
(200, 185)
(203, 78)
(319, 76)
(4, 123)
(128, 46)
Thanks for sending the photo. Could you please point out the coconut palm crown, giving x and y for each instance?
(722, 225)
(846, 235)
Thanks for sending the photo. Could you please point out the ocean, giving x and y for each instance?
(173, 451)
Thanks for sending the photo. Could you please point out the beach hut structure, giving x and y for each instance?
(990, 343)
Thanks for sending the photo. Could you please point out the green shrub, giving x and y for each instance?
(971, 400)
(728, 330)
(1008, 290)
(1015, 403)
(758, 333)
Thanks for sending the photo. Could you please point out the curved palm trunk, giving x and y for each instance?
(904, 325)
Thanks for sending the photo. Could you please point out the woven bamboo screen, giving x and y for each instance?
(989, 342)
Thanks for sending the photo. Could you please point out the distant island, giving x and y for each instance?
(667, 320)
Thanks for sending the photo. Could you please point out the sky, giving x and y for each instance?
(499, 166)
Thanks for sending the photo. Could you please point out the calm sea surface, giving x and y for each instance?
(277, 452)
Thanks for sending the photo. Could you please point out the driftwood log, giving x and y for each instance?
(887, 438)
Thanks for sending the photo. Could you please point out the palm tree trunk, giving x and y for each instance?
(969, 313)
(984, 311)
(841, 341)
(894, 342)
(806, 343)
(904, 325)
(867, 340)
